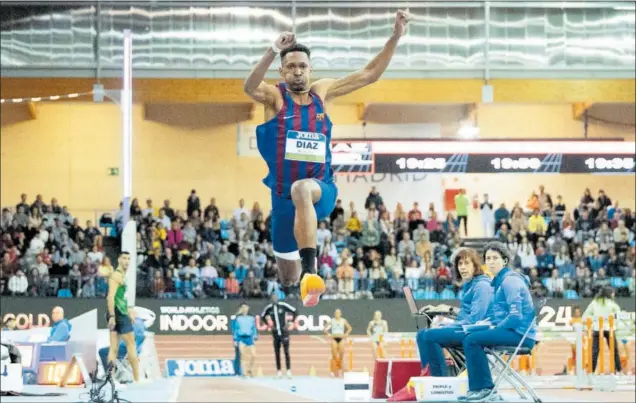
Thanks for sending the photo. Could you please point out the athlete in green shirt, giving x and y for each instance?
(119, 320)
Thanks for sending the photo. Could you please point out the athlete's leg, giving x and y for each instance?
(131, 353)
(112, 348)
(253, 358)
(245, 359)
(334, 347)
(335, 367)
(305, 193)
(341, 355)
(289, 272)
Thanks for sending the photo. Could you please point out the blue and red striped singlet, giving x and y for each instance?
(295, 144)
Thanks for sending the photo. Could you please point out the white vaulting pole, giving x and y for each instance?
(129, 235)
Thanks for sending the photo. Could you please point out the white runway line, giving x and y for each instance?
(176, 386)
(321, 339)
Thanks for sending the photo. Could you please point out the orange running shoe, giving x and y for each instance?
(312, 286)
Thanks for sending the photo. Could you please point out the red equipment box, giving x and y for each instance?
(391, 375)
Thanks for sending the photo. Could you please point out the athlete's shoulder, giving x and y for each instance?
(321, 87)
(117, 276)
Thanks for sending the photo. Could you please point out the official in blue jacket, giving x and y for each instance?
(61, 328)
(512, 315)
(476, 306)
(245, 334)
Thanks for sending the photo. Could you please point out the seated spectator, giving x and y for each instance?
(527, 256)
(209, 273)
(394, 264)
(604, 201)
(18, 284)
(501, 217)
(370, 236)
(88, 289)
(450, 226)
(325, 263)
(518, 222)
(186, 287)
(614, 264)
(443, 274)
(174, 236)
(354, 225)
(555, 285)
(60, 327)
(406, 246)
(423, 246)
(502, 233)
(537, 225)
(413, 275)
(600, 279)
(554, 227)
(545, 262)
(596, 261)
(386, 225)
(322, 233)
(250, 286)
(562, 257)
(331, 287)
(345, 276)
(363, 289)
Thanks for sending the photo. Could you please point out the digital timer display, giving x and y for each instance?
(51, 373)
(504, 163)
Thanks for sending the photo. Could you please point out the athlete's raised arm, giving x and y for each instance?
(254, 85)
(329, 88)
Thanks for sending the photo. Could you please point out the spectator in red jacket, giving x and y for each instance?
(174, 236)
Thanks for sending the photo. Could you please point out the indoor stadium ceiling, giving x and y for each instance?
(342, 35)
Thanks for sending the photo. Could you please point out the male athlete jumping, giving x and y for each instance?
(294, 141)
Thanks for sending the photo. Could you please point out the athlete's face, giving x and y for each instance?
(337, 314)
(296, 70)
(378, 316)
(466, 269)
(494, 261)
(124, 260)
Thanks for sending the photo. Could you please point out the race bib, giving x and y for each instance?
(305, 146)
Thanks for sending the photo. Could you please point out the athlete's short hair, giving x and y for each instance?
(125, 253)
(499, 247)
(297, 47)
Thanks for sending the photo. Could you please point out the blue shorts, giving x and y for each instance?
(123, 324)
(247, 340)
(283, 240)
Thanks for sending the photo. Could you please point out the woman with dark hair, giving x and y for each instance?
(476, 306)
(603, 305)
(512, 319)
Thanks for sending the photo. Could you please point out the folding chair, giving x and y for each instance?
(503, 367)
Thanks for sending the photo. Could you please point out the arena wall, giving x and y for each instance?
(67, 150)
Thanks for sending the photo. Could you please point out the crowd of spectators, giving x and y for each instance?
(369, 252)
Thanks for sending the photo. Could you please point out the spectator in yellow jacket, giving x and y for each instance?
(354, 224)
(537, 225)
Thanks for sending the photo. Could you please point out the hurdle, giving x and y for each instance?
(406, 348)
(584, 377)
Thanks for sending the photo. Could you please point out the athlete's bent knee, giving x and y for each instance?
(301, 190)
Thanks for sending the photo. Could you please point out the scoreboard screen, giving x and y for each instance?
(550, 157)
